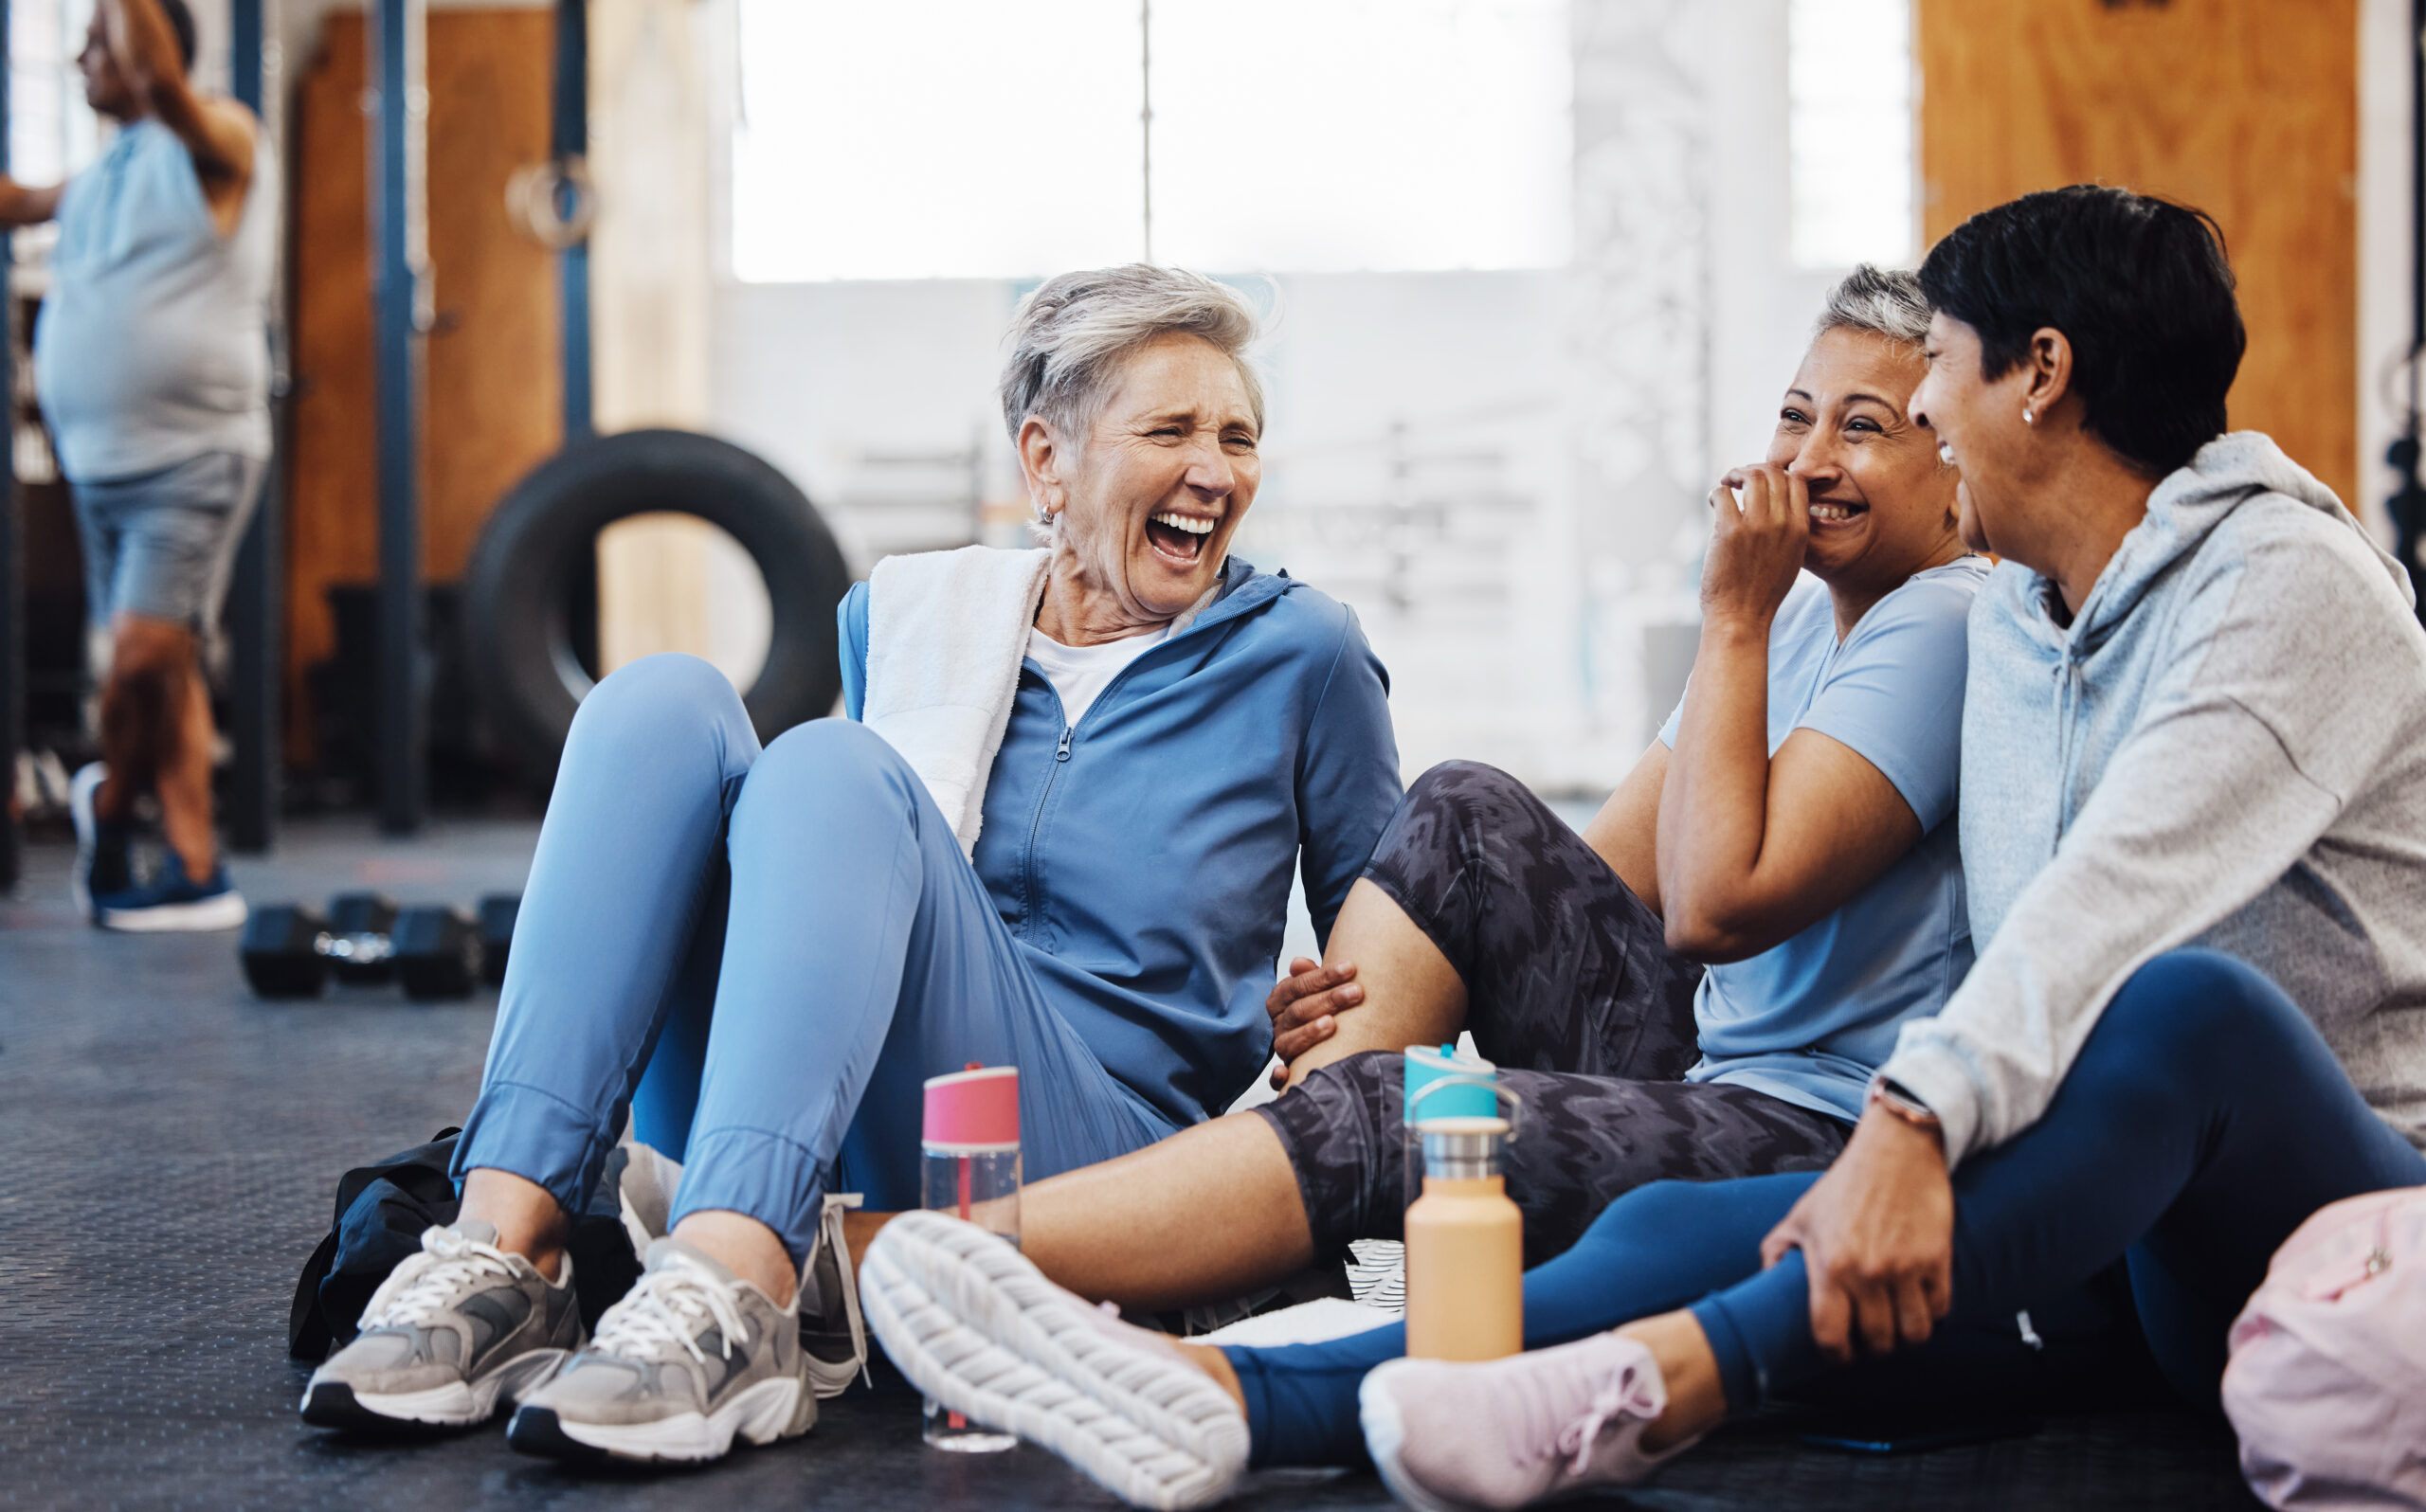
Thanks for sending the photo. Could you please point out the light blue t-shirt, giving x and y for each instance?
(153, 345)
(1808, 1020)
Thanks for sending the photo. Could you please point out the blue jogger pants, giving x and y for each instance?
(2205, 1120)
(762, 955)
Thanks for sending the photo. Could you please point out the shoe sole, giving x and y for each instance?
(761, 1414)
(1385, 1433)
(1013, 1351)
(204, 915)
(457, 1404)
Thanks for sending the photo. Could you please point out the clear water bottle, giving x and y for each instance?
(971, 1144)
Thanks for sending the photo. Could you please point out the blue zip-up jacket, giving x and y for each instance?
(1141, 859)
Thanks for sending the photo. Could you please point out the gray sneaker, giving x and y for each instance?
(449, 1333)
(831, 1329)
(690, 1357)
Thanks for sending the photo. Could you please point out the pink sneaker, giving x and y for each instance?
(1532, 1427)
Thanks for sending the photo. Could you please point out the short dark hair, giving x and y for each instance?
(181, 22)
(2141, 288)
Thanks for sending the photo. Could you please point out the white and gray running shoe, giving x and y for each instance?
(691, 1358)
(449, 1333)
(977, 1327)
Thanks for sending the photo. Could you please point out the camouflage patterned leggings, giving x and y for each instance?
(1572, 990)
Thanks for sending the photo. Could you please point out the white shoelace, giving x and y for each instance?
(664, 1311)
(1611, 1403)
(419, 1290)
(831, 1221)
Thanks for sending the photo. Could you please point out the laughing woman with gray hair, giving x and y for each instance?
(1057, 833)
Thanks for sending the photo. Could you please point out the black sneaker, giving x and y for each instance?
(104, 859)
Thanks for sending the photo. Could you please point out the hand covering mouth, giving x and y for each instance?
(1180, 537)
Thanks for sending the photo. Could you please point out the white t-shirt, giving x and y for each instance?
(1080, 674)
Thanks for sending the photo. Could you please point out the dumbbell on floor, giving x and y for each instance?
(359, 927)
(289, 950)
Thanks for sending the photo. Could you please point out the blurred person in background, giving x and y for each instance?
(151, 365)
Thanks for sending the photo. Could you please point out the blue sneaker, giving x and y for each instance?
(173, 902)
(103, 851)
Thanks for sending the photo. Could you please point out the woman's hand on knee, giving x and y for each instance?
(1303, 1005)
(1878, 1239)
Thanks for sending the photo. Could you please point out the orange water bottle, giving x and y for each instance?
(1465, 1247)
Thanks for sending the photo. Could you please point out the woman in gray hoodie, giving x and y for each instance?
(2193, 825)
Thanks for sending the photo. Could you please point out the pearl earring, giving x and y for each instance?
(2029, 417)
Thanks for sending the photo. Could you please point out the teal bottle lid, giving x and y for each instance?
(1425, 1065)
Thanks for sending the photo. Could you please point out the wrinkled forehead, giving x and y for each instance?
(1179, 374)
(1844, 365)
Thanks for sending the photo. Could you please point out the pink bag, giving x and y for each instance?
(2328, 1380)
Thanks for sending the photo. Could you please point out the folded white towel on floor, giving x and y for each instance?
(947, 631)
(1319, 1321)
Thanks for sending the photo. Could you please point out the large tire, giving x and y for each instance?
(518, 639)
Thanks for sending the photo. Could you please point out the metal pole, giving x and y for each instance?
(12, 539)
(400, 300)
(2407, 505)
(568, 143)
(257, 605)
(1145, 113)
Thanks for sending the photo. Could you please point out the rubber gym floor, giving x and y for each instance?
(169, 1147)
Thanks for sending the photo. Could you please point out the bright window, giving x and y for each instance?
(1849, 102)
(977, 139)
(51, 131)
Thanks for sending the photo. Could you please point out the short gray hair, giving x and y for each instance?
(1069, 338)
(1883, 301)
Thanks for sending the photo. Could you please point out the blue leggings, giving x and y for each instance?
(2205, 1120)
(762, 955)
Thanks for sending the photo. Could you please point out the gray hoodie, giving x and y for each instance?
(2226, 747)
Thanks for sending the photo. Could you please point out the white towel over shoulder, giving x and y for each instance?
(947, 631)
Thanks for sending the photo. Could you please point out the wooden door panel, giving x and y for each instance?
(2247, 109)
(493, 403)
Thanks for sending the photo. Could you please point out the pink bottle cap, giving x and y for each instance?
(974, 1111)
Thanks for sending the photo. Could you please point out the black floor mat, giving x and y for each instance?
(168, 1148)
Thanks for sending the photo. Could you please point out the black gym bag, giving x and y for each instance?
(382, 1210)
